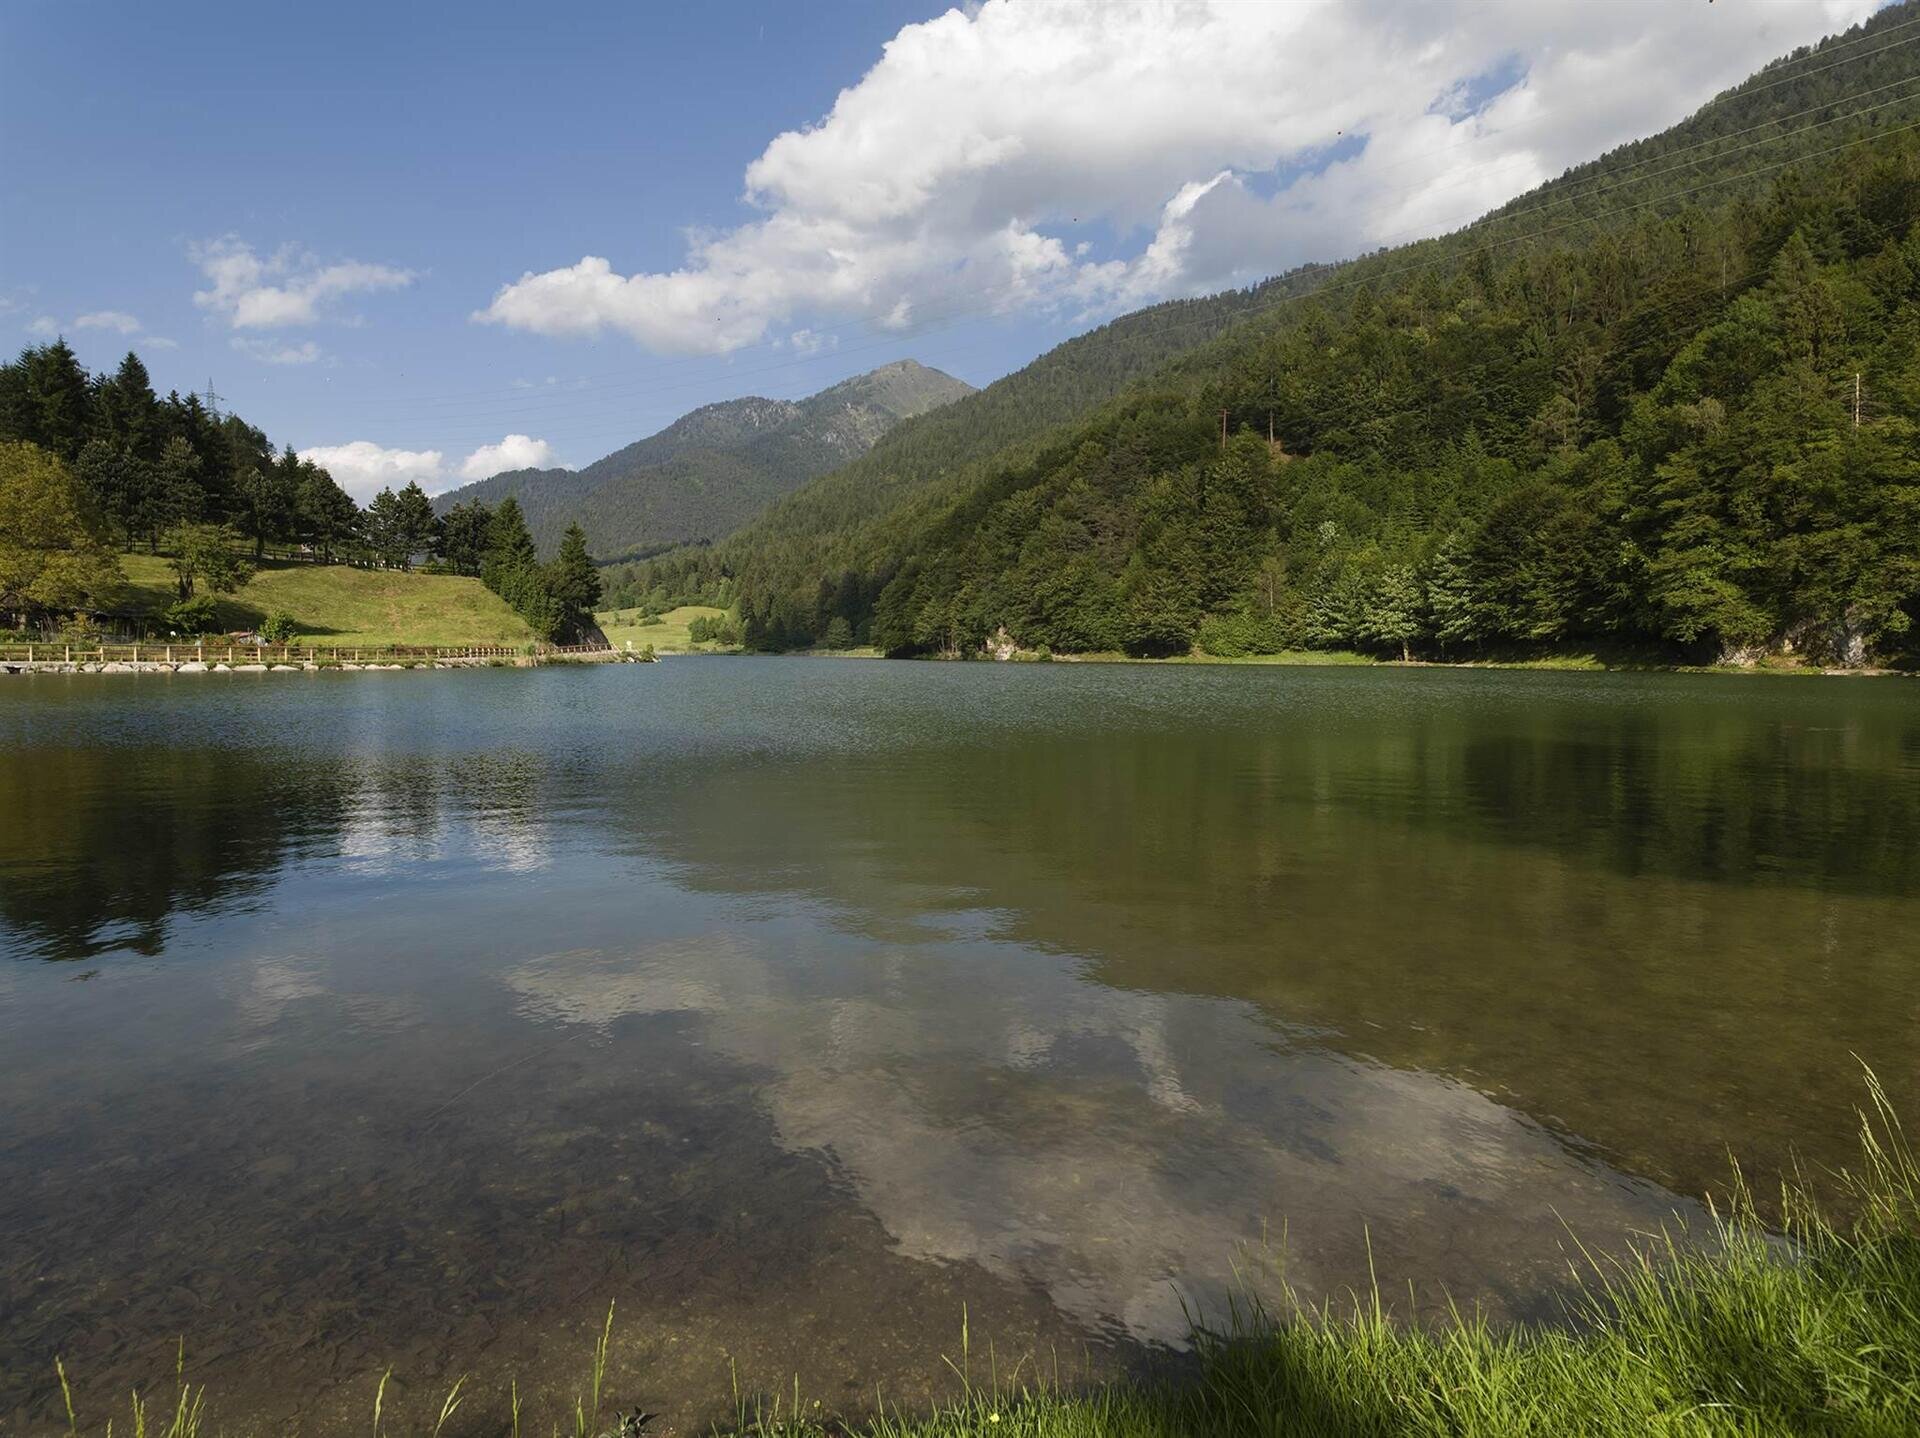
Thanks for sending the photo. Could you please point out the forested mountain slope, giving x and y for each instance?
(1622, 408)
(711, 470)
(822, 524)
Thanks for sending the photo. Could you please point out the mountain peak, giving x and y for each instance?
(716, 467)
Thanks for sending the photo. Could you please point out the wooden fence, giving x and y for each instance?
(58, 653)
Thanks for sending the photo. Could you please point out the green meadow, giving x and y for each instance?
(337, 604)
(669, 635)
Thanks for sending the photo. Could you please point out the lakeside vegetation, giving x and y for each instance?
(1669, 400)
(1810, 1325)
(96, 466)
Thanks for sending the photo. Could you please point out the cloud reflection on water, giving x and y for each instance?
(1118, 1148)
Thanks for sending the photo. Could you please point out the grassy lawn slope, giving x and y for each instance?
(337, 604)
(669, 636)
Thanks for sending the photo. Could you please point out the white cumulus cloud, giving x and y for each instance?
(516, 451)
(115, 321)
(1196, 143)
(278, 351)
(288, 287)
(363, 468)
(118, 321)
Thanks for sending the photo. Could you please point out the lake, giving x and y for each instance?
(362, 1020)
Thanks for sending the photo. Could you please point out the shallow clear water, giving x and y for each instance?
(350, 1020)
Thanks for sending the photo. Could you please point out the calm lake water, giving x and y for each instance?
(350, 1020)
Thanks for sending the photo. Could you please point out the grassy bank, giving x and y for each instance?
(671, 635)
(1813, 1328)
(1808, 1327)
(335, 604)
(1571, 661)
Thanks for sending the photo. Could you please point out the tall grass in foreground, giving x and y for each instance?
(1812, 1327)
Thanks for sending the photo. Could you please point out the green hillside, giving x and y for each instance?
(711, 471)
(339, 605)
(1619, 410)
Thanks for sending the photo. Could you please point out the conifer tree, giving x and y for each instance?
(573, 581)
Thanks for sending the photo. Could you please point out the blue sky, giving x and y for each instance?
(421, 230)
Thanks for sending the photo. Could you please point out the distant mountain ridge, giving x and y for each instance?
(717, 467)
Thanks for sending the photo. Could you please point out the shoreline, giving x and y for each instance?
(193, 666)
(1567, 664)
(313, 666)
(1334, 659)
(398, 659)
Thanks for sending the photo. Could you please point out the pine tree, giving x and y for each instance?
(327, 515)
(46, 400)
(509, 545)
(1449, 596)
(1391, 614)
(126, 413)
(463, 536)
(413, 523)
(114, 483)
(573, 581)
(178, 495)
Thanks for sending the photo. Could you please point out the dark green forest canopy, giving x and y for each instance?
(1667, 401)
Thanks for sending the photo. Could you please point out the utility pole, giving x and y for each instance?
(1856, 399)
(212, 399)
